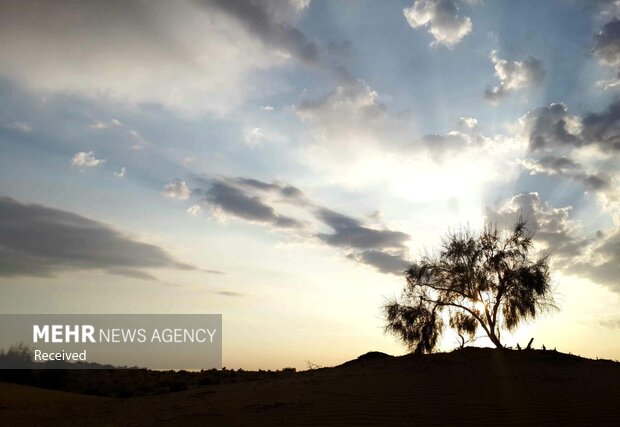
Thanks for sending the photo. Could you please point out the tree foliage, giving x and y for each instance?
(486, 280)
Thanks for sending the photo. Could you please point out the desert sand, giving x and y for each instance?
(467, 387)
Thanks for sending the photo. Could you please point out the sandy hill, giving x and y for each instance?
(468, 387)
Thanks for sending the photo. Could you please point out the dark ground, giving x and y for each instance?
(466, 387)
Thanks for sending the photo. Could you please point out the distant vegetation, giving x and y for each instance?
(486, 280)
(20, 356)
(110, 381)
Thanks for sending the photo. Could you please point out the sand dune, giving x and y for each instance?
(468, 387)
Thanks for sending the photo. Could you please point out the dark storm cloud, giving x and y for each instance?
(603, 128)
(235, 201)
(260, 18)
(607, 43)
(552, 126)
(350, 233)
(39, 241)
(547, 127)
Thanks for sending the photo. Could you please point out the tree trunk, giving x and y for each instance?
(495, 340)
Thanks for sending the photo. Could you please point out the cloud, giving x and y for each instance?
(514, 76)
(594, 257)
(350, 233)
(190, 57)
(19, 126)
(601, 262)
(551, 126)
(231, 198)
(177, 190)
(609, 84)
(611, 322)
(266, 108)
(468, 123)
(212, 271)
(40, 241)
(351, 103)
(607, 43)
(293, 194)
(553, 228)
(352, 131)
(194, 210)
(467, 139)
(557, 138)
(441, 147)
(563, 166)
(229, 294)
(254, 136)
(106, 124)
(603, 129)
(347, 121)
(551, 165)
(380, 248)
(262, 202)
(271, 22)
(385, 262)
(88, 160)
(121, 173)
(442, 19)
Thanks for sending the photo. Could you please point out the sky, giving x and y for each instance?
(282, 162)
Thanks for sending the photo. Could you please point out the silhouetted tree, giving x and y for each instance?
(482, 280)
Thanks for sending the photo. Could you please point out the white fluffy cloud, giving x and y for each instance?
(86, 159)
(514, 76)
(254, 136)
(468, 123)
(345, 129)
(350, 105)
(194, 210)
(121, 173)
(442, 19)
(177, 190)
